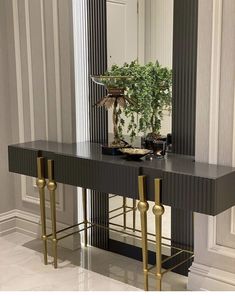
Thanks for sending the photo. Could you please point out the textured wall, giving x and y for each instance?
(41, 83)
(184, 101)
(184, 76)
(98, 121)
(7, 191)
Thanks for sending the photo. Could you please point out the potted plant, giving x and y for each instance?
(150, 92)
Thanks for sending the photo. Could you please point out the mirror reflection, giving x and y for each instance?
(139, 44)
(140, 31)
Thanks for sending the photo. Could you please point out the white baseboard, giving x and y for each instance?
(27, 223)
(205, 278)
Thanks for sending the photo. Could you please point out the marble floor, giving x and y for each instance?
(86, 269)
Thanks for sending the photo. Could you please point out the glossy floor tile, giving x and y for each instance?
(86, 269)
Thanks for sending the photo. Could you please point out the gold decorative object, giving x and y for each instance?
(115, 86)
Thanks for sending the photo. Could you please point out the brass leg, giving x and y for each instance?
(124, 212)
(84, 200)
(52, 187)
(143, 207)
(158, 211)
(41, 183)
(134, 214)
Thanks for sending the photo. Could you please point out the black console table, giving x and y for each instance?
(177, 181)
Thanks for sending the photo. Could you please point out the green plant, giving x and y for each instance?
(150, 91)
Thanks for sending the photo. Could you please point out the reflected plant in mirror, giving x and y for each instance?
(150, 92)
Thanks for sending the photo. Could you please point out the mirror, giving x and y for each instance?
(139, 30)
(143, 31)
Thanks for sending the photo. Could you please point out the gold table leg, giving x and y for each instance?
(51, 185)
(124, 212)
(158, 211)
(143, 207)
(134, 214)
(84, 200)
(41, 183)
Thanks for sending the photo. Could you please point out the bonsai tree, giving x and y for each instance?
(150, 92)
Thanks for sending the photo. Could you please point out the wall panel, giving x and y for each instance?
(98, 121)
(44, 96)
(214, 236)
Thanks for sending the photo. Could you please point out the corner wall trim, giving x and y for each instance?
(205, 278)
(29, 224)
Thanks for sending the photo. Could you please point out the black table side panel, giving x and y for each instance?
(23, 161)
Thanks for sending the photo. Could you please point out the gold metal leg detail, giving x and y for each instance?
(84, 200)
(143, 207)
(124, 212)
(158, 211)
(51, 185)
(41, 183)
(134, 214)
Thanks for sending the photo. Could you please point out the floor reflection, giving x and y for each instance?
(114, 266)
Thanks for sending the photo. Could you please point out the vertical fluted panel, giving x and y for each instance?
(98, 121)
(81, 70)
(97, 64)
(184, 75)
(184, 101)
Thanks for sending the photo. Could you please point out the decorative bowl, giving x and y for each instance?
(135, 153)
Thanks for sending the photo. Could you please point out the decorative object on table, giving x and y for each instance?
(135, 153)
(169, 142)
(116, 97)
(151, 92)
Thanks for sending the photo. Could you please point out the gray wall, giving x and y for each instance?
(7, 201)
(40, 103)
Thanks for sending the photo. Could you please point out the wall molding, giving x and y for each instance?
(205, 278)
(80, 32)
(212, 243)
(29, 224)
(57, 69)
(31, 198)
(233, 156)
(215, 80)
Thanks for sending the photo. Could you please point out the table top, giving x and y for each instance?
(172, 163)
(189, 185)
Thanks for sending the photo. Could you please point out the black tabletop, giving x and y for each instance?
(194, 186)
(172, 163)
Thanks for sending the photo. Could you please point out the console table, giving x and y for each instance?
(177, 181)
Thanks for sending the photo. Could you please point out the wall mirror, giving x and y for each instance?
(143, 31)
